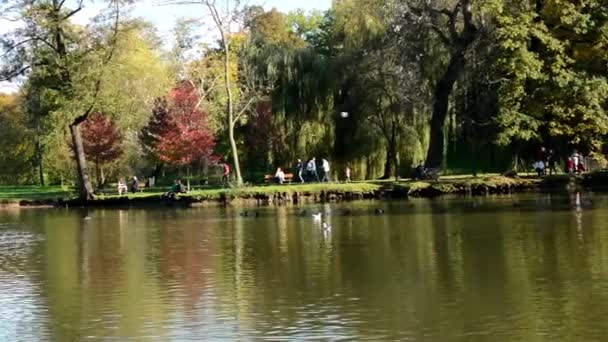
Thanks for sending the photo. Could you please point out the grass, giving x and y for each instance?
(33, 193)
(216, 193)
(38, 193)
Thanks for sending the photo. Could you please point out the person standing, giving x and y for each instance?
(569, 165)
(226, 173)
(347, 172)
(311, 168)
(541, 157)
(576, 160)
(326, 170)
(551, 162)
(300, 169)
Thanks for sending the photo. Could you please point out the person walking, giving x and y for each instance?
(311, 168)
(326, 170)
(226, 173)
(300, 169)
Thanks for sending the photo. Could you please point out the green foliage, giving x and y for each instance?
(512, 74)
(16, 143)
(555, 84)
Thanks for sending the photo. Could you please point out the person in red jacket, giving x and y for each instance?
(226, 174)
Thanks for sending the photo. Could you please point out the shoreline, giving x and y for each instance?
(334, 192)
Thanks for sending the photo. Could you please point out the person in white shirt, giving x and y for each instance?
(539, 166)
(279, 176)
(311, 169)
(326, 170)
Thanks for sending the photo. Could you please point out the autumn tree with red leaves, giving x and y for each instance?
(102, 143)
(187, 137)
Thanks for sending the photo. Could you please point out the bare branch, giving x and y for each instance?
(13, 74)
(243, 110)
(67, 16)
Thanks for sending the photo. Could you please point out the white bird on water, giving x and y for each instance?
(326, 227)
(317, 217)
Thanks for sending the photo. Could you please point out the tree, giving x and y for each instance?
(102, 143)
(226, 14)
(454, 26)
(187, 137)
(150, 135)
(553, 67)
(16, 142)
(69, 62)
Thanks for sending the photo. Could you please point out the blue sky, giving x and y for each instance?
(164, 17)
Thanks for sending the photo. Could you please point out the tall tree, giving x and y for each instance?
(49, 48)
(226, 15)
(454, 26)
(187, 137)
(554, 67)
(16, 142)
(102, 143)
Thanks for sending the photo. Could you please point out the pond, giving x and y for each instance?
(529, 268)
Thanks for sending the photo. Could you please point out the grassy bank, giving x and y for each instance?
(16, 194)
(460, 185)
(278, 193)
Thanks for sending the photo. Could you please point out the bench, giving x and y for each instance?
(270, 178)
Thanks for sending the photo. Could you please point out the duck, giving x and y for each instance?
(378, 211)
(326, 227)
(248, 214)
(317, 216)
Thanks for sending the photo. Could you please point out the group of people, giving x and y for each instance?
(546, 161)
(308, 172)
(123, 189)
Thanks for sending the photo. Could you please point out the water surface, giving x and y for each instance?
(532, 268)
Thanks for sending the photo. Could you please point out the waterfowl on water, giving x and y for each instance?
(378, 211)
(248, 214)
(317, 216)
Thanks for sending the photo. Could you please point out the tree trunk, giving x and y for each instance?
(85, 188)
(40, 166)
(389, 165)
(443, 90)
(396, 162)
(231, 123)
(98, 174)
(188, 177)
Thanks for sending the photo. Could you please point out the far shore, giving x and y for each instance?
(20, 197)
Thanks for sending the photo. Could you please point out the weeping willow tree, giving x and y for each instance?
(300, 88)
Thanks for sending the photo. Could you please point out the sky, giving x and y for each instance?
(164, 17)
